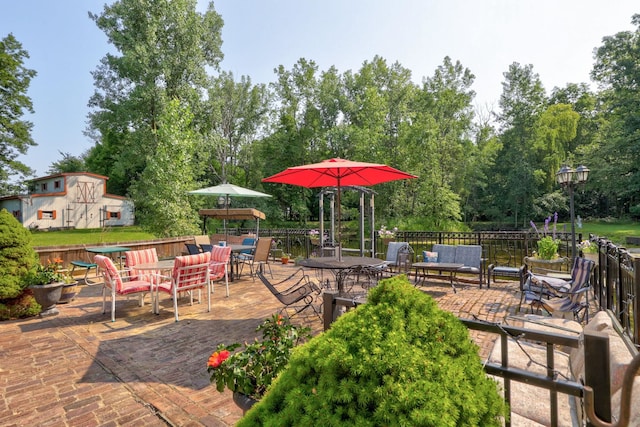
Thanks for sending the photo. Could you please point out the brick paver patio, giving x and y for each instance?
(80, 369)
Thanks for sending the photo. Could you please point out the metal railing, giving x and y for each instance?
(597, 407)
(616, 284)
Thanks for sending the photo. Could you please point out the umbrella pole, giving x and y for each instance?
(226, 229)
(339, 225)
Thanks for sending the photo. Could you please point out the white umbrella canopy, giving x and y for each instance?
(228, 190)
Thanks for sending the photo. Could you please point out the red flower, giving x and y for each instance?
(217, 358)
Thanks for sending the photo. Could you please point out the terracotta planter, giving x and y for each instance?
(69, 292)
(47, 296)
(243, 401)
(285, 260)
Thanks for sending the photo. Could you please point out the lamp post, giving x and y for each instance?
(569, 178)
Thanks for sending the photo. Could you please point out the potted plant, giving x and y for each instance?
(589, 250)
(547, 244)
(248, 373)
(46, 282)
(314, 237)
(285, 258)
(387, 235)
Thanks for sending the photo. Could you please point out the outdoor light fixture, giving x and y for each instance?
(569, 178)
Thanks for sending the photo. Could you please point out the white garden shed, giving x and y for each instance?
(69, 200)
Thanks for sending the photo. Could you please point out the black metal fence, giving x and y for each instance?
(499, 247)
(616, 277)
(615, 283)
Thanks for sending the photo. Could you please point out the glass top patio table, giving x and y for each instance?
(339, 266)
(106, 250)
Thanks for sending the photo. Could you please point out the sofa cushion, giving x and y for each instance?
(469, 255)
(446, 253)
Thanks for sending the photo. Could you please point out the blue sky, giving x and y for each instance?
(486, 36)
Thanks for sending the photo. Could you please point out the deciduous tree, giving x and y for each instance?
(15, 131)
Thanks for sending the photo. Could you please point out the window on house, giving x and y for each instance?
(16, 214)
(46, 214)
(113, 215)
(56, 184)
(43, 186)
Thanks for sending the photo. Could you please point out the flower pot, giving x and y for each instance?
(243, 401)
(285, 260)
(69, 292)
(47, 296)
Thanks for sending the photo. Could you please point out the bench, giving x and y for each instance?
(87, 266)
(470, 256)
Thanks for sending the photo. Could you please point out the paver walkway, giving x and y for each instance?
(80, 369)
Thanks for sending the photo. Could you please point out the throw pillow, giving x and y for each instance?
(430, 256)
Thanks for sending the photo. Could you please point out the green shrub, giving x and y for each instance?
(24, 305)
(548, 247)
(17, 258)
(397, 360)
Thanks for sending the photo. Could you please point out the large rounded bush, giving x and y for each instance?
(17, 258)
(397, 360)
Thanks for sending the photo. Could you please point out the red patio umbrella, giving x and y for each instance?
(338, 173)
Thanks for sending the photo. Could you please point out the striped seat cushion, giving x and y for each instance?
(143, 256)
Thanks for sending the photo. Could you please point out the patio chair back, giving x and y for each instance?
(248, 241)
(296, 292)
(219, 265)
(190, 273)
(259, 257)
(114, 282)
(392, 252)
(192, 248)
(202, 240)
(142, 256)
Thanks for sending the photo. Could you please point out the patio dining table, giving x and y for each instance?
(109, 250)
(339, 266)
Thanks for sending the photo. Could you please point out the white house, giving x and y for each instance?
(69, 200)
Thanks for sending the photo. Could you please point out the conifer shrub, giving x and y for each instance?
(17, 258)
(397, 360)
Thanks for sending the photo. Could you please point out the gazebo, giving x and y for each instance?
(236, 213)
(331, 192)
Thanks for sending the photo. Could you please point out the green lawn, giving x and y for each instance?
(89, 236)
(616, 231)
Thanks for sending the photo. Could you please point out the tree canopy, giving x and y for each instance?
(494, 165)
(15, 131)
